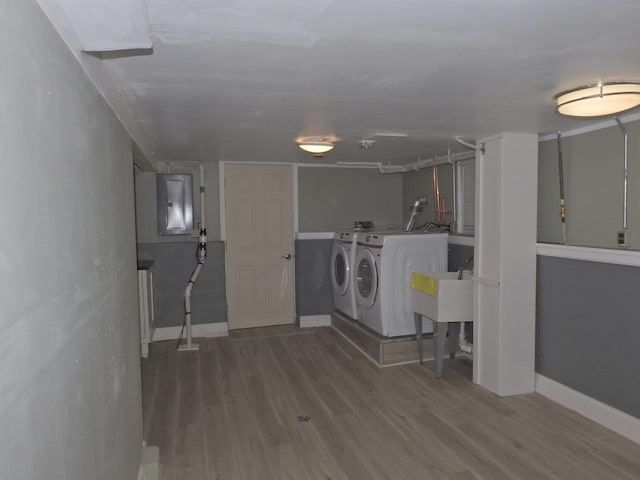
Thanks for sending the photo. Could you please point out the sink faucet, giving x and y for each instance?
(468, 261)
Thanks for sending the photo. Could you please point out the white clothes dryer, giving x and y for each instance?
(343, 257)
(382, 274)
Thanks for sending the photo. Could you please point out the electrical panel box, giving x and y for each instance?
(175, 204)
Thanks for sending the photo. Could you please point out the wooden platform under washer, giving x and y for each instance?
(384, 351)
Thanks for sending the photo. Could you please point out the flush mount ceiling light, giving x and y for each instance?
(316, 147)
(599, 99)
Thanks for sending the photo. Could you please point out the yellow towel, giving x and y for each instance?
(424, 283)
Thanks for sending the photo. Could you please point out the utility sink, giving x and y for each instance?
(442, 297)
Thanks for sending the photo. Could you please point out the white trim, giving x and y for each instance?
(355, 345)
(149, 463)
(622, 423)
(590, 128)
(465, 240)
(315, 235)
(590, 254)
(334, 165)
(296, 212)
(223, 203)
(308, 321)
(198, 331)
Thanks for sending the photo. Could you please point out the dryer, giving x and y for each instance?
(382, 270)
(343, 256)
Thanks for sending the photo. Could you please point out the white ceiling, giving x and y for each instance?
(242, 80)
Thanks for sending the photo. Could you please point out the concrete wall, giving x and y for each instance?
(593, 182)
(331, 199)
(70, 394)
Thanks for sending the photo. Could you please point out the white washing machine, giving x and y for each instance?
(382, 274)
(343, 257)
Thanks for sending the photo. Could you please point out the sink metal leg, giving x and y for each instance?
(454, 334)
(418, 319)
(439, 339)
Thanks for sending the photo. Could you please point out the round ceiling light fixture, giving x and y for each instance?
(599, 99)
(316, 146)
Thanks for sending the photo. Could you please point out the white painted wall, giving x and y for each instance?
(70, 400)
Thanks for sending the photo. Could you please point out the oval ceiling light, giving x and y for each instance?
(316, 147)
(599, 99)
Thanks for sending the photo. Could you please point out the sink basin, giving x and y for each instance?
(442, 297)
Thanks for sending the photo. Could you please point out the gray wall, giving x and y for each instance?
(331, 199)
(593, 178)
(172, 267)
(420, 183)
(314, 292)
(587, 329)
(458, 256)
(70, 396)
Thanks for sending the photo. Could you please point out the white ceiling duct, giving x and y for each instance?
(102, 26)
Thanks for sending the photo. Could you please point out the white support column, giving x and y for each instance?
(505, 263)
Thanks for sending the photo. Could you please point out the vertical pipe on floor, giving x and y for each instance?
(201, 255)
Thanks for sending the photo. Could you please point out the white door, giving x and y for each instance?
(259, 245)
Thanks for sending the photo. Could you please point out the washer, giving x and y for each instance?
(343, 257)
(382, 274)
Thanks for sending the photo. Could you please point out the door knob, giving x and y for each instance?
(287, 256)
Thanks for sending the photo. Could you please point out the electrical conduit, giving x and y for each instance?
(201, 255)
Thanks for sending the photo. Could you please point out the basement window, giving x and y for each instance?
(466, 196)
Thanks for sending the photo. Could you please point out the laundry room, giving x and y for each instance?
(176, 173)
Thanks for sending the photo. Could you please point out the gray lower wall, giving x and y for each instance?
(70, 386)
(587, 329)
(314, 293)
(174, 262)
(172, 267)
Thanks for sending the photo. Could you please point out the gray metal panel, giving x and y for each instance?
(587, 329)
(172, 267)
(314, 293)
(175, 204)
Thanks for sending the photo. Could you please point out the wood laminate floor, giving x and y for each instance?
(229, 412)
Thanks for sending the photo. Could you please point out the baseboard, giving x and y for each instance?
(307, 321)
(197, 331)
(622, 423)
(149, 464)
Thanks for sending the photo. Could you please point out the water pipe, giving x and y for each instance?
(626, 172)
(463, 344)
(562, 197)
(421, 164)
(201, 255)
